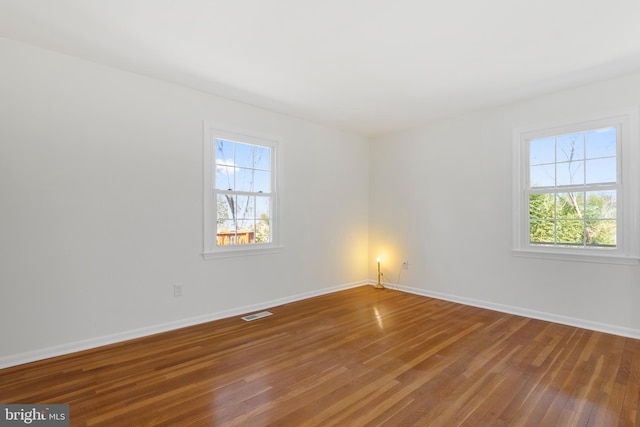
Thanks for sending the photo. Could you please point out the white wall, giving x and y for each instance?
(101, 206)
(101, 210)
(441, 199)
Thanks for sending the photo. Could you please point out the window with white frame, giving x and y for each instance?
(575, 193)
(241, 193)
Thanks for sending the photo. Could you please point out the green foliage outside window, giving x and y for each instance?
(570, 219)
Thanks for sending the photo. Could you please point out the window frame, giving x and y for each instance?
(626, 251)
(211, 250)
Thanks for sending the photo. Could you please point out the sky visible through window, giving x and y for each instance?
(242, 167)
(573, 159)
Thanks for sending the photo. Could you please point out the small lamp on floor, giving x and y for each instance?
(379, 285)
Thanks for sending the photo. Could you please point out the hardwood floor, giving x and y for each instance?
(353, 358)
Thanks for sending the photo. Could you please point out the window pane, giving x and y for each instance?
(541, 151)
(601, 205)
(541, 206)
(245, 207)
(246, 225)
(244, 155)
(263, 207)
(601, 171)
(601, 143)
(601, 233)
(570, 173)
(263, 219)
(262, 158)
(224, 177)
(542, 176)
(246, 232)
(225, 206)
(224, 152)
(262, 181)
(570, 232)
(227, 226)
(541, 232)
(226, 233)
(244, 180)
(570, 147)
(570, 205)
(263, 231)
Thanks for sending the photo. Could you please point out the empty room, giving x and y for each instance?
(287, 213)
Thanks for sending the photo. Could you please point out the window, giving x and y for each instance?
(241, 193)
(574, 192)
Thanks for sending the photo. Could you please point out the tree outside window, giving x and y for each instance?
(243, 193)
(573, 189)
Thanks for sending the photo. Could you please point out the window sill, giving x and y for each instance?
(560, 255)
(240, 252)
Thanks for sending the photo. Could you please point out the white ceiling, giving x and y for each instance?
(366, 66)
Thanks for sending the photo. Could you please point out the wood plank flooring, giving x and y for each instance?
(353, 358)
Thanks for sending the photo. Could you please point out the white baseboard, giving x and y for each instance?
(519, 311)
(59, 350)
(45, 353)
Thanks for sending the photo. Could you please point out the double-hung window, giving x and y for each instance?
(241, 193)
(575, 191)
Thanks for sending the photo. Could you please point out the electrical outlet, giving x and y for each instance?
(405, 265)
(177, 289)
